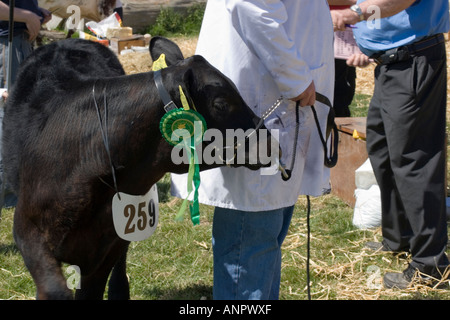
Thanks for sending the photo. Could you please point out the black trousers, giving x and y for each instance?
(344, 87)
(406, 126)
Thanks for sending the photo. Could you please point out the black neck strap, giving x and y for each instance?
(163, 94)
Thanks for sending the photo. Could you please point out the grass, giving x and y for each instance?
(360, 105)
(176, 262)
(15, 280)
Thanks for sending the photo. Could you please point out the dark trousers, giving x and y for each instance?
(344, 87)
(406, 144)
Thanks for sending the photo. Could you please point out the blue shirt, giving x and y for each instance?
(423, 18)
(19, 27)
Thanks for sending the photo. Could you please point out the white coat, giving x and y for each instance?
(270, 48)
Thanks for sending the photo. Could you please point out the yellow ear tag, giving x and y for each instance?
(160, 63)
(183, 99)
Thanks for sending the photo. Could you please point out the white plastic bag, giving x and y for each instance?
(367, 211)
(364, 177)
(100, 28)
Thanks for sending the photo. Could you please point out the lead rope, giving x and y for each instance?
(329, 162)
(286, 175)
(308, 247)
(105, 136)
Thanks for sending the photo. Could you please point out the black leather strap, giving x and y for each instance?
(163, 94)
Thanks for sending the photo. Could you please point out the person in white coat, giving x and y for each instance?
(269, 49)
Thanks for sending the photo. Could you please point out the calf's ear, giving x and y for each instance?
(160, 45)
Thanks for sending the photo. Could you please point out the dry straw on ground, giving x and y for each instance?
(137, 62)
(353, 272)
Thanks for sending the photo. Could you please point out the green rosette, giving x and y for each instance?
(193, 126)
(189, 120)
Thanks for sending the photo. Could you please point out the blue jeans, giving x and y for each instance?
(22, 48)
(247, 253)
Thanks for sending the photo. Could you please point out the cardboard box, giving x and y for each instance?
(120, 32)
(352, 154)
(117, 45)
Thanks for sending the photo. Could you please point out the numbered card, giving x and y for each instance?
(136, 217)
(345, 44)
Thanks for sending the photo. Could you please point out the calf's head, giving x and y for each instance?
(230, 137)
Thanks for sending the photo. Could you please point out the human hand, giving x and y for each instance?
(338, 20)
(4, 95)
(33, 23)
(358, 60)
(343, 17)
(47, 15)
(308, 97)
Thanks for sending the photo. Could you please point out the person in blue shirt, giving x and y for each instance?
(406, 125)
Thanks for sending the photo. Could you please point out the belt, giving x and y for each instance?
(404, 53)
